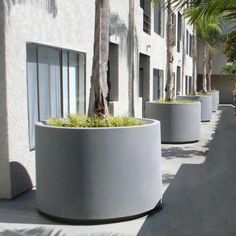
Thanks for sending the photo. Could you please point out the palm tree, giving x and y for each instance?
(208, 8)
(99, 88)
(206, 27)
(215, 37)
(169, 82)
(194, 55)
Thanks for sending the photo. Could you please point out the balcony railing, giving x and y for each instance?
(146, 23)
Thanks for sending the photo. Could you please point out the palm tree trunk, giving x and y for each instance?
(99, 88)
(209, 71)
(132, 58)
(183, 53)
(204, 79)
(169, 83)
(194, 54)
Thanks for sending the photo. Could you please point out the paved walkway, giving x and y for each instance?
(201, 200)
(199, 186)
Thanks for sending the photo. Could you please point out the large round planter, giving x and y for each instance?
(206, 105)
(98, 174)
(180, 123)
(215, 100)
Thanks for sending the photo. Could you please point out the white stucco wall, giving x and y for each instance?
(5, 186)
(69, 26)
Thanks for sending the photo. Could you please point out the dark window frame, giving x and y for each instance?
(159, 19)
(159, 89)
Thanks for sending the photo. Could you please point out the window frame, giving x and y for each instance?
(160, 81)
(160, 11)
(60, 51)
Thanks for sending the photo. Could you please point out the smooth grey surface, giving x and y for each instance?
(98, 173)
(180, 123)
(215, 100)
(201, 201)
(206, 104)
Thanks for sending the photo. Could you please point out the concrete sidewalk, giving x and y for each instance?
(198, 198)
(201, 200)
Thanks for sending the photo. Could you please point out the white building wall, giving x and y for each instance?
(69, 25)
(5, 186)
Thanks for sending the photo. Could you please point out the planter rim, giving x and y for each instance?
(177, 104)
(147, 122)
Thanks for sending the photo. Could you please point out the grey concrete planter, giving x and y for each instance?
(98, 174)
(215, 100)
(206, 105)
(180, 123)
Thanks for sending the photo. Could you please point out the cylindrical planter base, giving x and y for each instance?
(206, 105)
(215, 100)
(180, 123)
(98, 174)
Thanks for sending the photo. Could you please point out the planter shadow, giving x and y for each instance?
(215, 100)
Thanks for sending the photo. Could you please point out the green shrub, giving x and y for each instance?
(91, 122)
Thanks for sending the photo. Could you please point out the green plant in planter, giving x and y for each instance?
(202, 93)
(92, 122)
(174, 102)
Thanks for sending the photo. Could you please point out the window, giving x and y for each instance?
(174, 28)
(174, 93)
(140, 82)
(146, 6)
(187, 42)
(186, 85)
(113, 73)
(159, 14)
(189, 39)
(190, 82)
(179, 31)
(158, 76)
(178, 87)
(56, 84)
(190, 44)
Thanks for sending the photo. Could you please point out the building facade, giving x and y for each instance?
(46, 52)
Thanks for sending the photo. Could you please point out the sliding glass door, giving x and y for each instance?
(56, 84)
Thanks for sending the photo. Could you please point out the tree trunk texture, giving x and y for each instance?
(99, 88)
(204, 79)
(169, 83)
(132, 58)
(183, 54)
(194, 55)
(209, 70)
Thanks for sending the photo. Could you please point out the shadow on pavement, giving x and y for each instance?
(201, 200)
(167, 153)
(22, 210)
